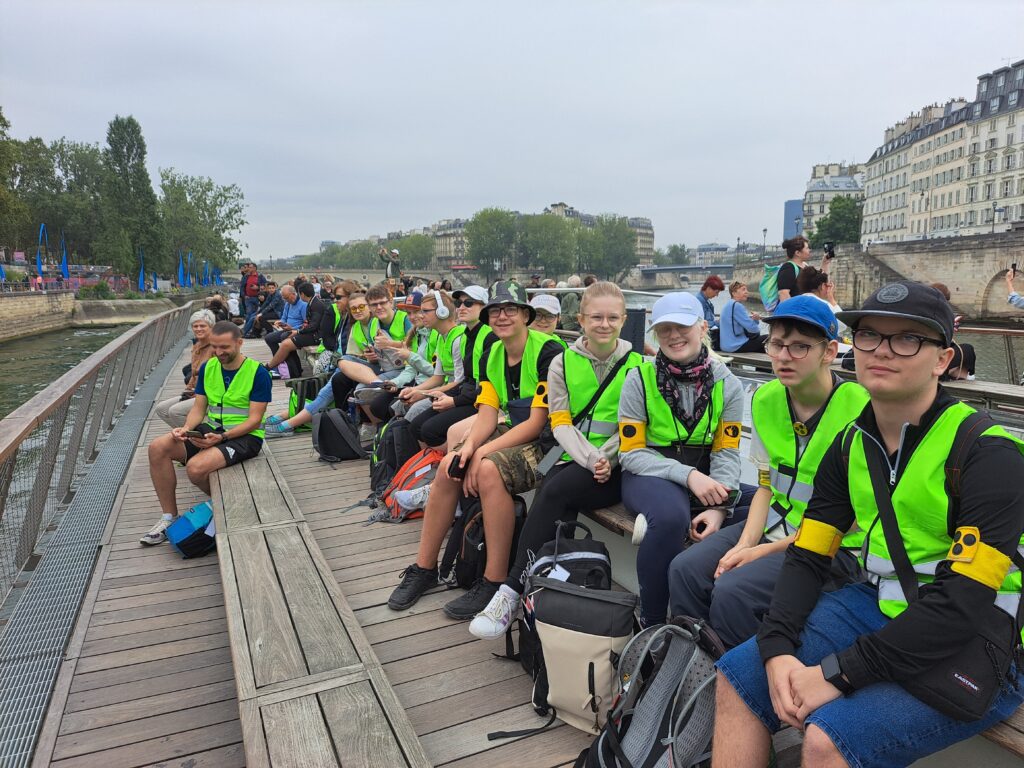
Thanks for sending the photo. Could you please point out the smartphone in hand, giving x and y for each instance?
(455, 471)
(194, 433)
(1013, 271)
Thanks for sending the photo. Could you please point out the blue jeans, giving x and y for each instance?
(252, 306)
(881, 725)
(666, 507)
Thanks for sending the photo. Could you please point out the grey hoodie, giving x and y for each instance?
(725, 463)
(575, 443)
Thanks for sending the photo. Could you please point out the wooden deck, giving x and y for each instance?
(148, 678)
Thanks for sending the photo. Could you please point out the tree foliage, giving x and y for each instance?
(545, 241)
(103, 201)
(491, 241)
(840, 225)
(674, 255)
(607, 249)
(414, 251)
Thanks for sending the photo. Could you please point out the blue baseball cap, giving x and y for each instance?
(808, 309)
(679, 308)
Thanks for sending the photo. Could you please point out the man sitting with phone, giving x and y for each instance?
(224, 427)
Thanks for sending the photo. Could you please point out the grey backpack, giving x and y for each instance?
(664, 716)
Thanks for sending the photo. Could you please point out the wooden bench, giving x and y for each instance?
(311, 690)
(1008, 734)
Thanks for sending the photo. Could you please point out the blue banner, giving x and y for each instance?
(156, 285)
(188, 271)
(181, 270)
(39, 258)
(142, 272)
(206, 273)
(3, 275)
(64, 257)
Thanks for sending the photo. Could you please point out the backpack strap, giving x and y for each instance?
(966, 434)
(347, 431)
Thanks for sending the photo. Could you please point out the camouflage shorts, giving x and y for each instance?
(518, 466)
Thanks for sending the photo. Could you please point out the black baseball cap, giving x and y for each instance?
(909, 300)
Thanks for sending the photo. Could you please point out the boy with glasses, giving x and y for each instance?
(497, 460)
(728, 578)
(870, 672)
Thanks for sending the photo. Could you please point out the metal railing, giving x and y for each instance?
(47, 442)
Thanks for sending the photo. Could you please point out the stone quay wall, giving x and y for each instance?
(25, 314)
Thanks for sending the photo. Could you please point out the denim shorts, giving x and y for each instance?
(880, 725)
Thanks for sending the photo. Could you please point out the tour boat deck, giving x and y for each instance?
(148, 676)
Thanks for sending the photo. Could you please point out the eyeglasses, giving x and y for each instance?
(357, 308)
(901, 344)
(424, 310)
(467, 303)
(602, 319)
(508, 310)
(797, 350)
(375, 304)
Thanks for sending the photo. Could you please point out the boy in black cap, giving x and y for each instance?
(917, 658)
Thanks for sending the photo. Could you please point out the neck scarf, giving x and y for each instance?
(697, 373)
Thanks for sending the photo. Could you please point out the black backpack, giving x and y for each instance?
(335, 437)
(465, 554)
(393, 445)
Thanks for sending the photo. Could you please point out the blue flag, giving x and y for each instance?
(64, 257)
(39, 258)
(3, 275)
(142, 272)
(181, 270)
(188, 271)
(156, 286)
(206, 273)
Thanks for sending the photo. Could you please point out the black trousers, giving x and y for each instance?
(567, 490)
(755, 344)
(431, 427)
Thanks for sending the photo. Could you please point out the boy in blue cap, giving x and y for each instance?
(729, 577)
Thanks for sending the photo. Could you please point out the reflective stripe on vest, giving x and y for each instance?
(581, 384)
(921, 502)
(444, 352)
(663, 428)
(773, 420)
(528, 379)
(228, 408)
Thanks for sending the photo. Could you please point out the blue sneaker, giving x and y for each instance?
(280, 429)
(273, 420)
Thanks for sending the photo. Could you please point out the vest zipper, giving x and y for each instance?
(885, 453)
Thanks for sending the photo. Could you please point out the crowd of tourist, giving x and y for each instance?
(802, 582)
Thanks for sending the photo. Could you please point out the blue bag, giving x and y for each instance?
(193, 533)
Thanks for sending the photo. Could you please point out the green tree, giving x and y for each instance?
(546, 241)
(201, 216)
(130, 214)
(840, 225)
(612, 247)
(674, 255)
(491, 240)
(414, 251)
(14, 213)
(79, 173)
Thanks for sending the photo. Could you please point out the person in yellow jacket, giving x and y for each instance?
(728, 578)
(874, 675)
(224, 427)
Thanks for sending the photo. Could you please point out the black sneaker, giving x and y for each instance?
(470, 604)
(415, 581)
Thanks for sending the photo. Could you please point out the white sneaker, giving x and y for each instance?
(156, 535)
(492, 622)
(366, 433)
(414, 499)
(639, 528)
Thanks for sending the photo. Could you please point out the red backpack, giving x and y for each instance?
(417, 472)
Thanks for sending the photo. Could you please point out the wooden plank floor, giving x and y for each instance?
(147, 678)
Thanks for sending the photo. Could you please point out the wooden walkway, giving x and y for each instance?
(148, 678)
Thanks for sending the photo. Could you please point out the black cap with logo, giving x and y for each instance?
(910, 301)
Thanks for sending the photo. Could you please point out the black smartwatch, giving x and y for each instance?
(833, 673)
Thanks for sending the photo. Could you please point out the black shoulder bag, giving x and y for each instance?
(964, 686)
(553, 452)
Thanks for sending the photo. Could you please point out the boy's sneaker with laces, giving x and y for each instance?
(156, 534)
(492, 622)
(275, 419)
(278, 429)
(412, 500)
(470, 604)
(415, 581)
(366, 433)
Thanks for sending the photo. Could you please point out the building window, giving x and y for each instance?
(982, 86)
(1020, 74)
(977, 111)
(1011, 101)
(1001, 81)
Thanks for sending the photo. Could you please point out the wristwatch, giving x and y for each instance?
(833, 673)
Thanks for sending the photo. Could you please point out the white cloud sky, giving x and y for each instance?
(339, 120)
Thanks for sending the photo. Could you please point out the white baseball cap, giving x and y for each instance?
(547, 303)
(679, 308)
(474, 292)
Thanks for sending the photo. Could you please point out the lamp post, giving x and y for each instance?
(924, 207)
(764, 242)
(796, 226)
(995, 207)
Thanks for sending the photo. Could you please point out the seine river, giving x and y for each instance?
(30, 364)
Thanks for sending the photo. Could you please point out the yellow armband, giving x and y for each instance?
(540, 397)
(727, 435)
(818, 537)
(488, 396)
(632, 435)
(560, 419)
(976, 560)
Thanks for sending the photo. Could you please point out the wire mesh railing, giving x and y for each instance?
(48, 442)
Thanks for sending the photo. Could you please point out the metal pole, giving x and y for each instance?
(41, 487)
(75, 441)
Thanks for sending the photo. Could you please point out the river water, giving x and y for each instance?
(30, 364)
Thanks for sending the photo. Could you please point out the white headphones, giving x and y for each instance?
(442, 311)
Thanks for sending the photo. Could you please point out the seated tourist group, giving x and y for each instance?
(866, 588)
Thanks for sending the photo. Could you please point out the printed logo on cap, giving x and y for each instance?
(892, 293)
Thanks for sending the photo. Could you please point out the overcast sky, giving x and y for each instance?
(340, 120)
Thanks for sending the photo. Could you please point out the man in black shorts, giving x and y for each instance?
(224, 427)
